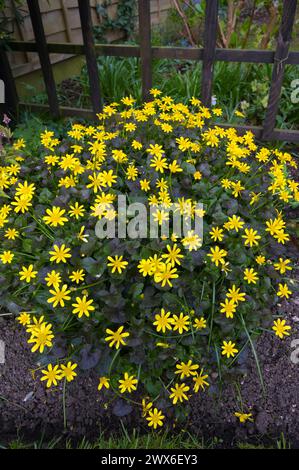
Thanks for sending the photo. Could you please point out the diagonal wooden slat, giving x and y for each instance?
(90, 54)
(209, 50)
(44, 57)
(280, 58)
(145, 47)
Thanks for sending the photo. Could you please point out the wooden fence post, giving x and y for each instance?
(41, 43)
(10, 105)
(144, 12)
(281, 55)
(90, 54)
(210, 37)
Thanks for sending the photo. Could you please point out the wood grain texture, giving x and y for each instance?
(44, 57)
(165, 52)
(145, 47)
(90, 54)
(209, 51)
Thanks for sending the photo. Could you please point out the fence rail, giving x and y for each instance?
(209, 54)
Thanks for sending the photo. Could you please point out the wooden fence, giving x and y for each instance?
(61, 22)
(208, 55)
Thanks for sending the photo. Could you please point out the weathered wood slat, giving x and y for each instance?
(183, 53)
(90, 53)
(65, 111)
(281, 54)
(144, 14)
(44, 58)
(209, 51)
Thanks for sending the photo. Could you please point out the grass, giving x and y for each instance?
(235, 86)
(135, 440)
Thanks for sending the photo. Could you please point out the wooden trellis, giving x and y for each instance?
(208, 55)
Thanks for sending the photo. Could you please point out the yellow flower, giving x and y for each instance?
(159, 164)
(217, 234)
(22, 204)
(26, 274)
(173, 256)
(145, 267)
(117, 264)
(130, 127)
(155, 150)
(42, 336)
(235, 294)
(59, 296)
(179, 393)
(192, 241)
(24, 319)
(155, 92)
(250, 276)
(155, 418)
(217, 255)
(163, 321)
(108, 178)
(136, 145)
(228, 349)
(77, 276)
(132, 173)
(165, 274)
(145, 185)
(53, 278)
(11, 233)
(281, 328)
(103, 382)
(186, 369)
(197, 175)
(174, 167)
(283, 265)
(200, 323)
(83, 306)
(200, 381)
(160, 216)
(251, 237)
(260, 259)
(77, 210)
(234, 223)
(116, 337)
(228, 307)
(60, 254)
(67, 371)
(243, 417)
(283, 291)
(7, 257)
(181, 323)
(51, 375)
(128, 383)
(55, 217)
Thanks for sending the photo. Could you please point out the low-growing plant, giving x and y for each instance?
(244, 86)
(153, 316)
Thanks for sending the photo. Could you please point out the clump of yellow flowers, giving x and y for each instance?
(153, 316)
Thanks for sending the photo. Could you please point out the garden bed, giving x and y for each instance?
(175, 330)
(28, 410)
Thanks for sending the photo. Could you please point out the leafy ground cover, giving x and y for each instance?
(158, 321)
